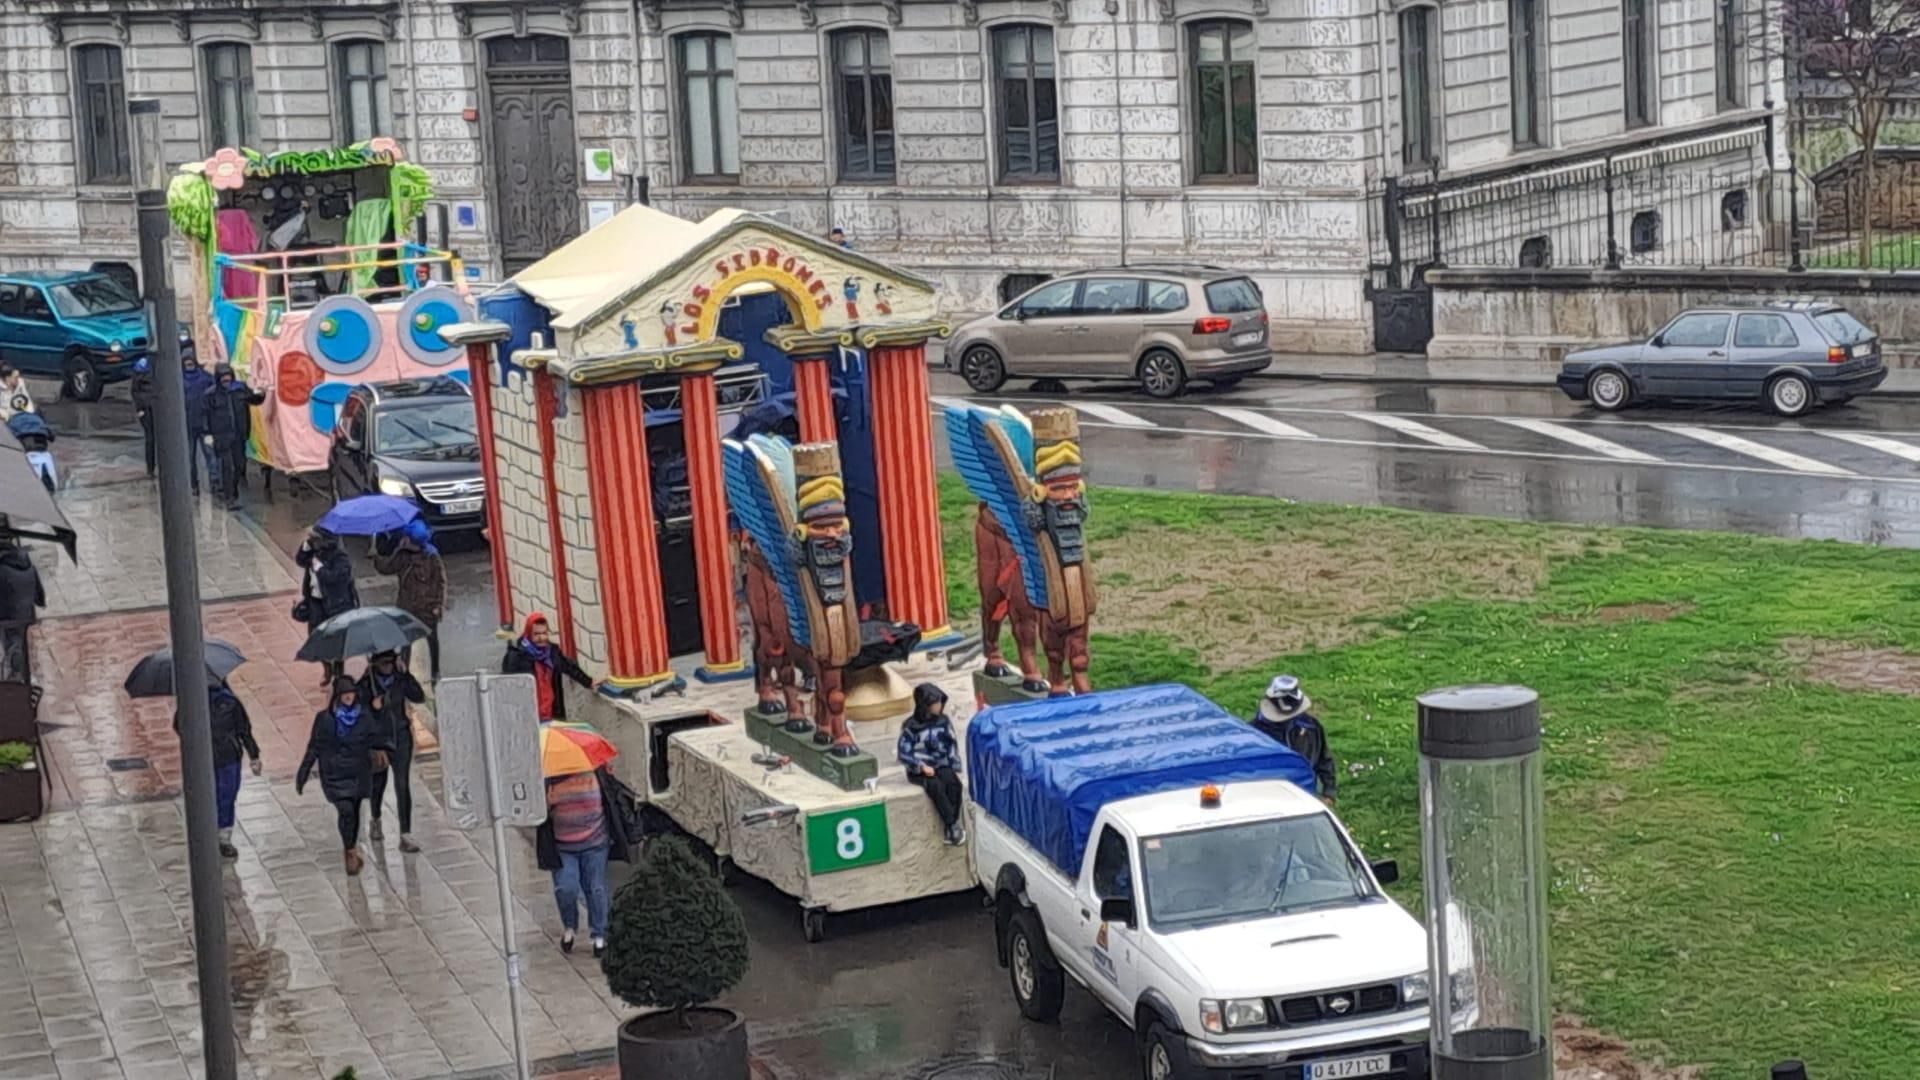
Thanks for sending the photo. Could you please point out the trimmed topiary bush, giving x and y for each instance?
(674, 937)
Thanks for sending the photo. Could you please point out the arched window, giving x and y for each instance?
(101, 117)
(1536, 253)
(1733, 210)
(1024, 91)
(709, 113)
(1220, 54)
(863, 99)
(1644, 235)
(360, 89)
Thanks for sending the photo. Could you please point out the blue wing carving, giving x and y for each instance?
(752, 471)
(982, 444)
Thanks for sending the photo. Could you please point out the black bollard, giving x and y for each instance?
(1790, 1070)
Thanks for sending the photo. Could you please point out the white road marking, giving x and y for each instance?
(1112, 415)
(1576, 437)
(1908, 451)
(1418, 430)
(1768, 454)
(1260, 422)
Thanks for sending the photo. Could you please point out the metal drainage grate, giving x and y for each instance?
(975, 1070)
(128, 764)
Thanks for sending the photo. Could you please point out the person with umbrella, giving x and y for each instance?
(422, 585)
(585, 827)
(535, 654)
(348, 746)
(232, 732)
(229, 410)
(326, 587)
(389, 688)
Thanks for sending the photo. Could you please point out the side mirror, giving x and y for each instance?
(1386, 871)
(1118, 909)
(1658, 340)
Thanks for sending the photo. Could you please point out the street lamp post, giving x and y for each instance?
(183, 595)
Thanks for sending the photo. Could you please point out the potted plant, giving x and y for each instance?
(20, 790)
(675, 941)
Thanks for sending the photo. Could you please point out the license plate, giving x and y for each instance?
(472, 506)
(1863, 350)
(1251, 337)
(1342, 1068)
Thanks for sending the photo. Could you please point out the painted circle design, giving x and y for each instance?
(420, 320)
(343, 335)
(294, 378)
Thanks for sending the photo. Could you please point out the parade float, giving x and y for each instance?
(303, 279)
(699, 432)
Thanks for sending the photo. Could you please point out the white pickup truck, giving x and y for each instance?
(1235, 928)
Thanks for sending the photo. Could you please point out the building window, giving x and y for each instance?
(1638, 30)
(360, 80)
(863, 93)
(1525, 47)
(102, 88)
(1419, 128)
(1029, 114)
(1644, 235)
(1014, 285)
(1729, 54)
(709, 117)
(231, 118)
(1224, 118)
(1536, 253)
(1733, 210)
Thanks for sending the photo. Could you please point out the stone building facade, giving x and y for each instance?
(980, 142)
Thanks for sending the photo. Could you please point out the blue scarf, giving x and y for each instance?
(542, 654)
(344, 718)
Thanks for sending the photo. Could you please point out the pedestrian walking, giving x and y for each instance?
(347, 747)
(388, 688)
(931, 754)
(198, 382)
(232, 732)
(326, 587)
(14, 395)
(585, 827)
(1284, 717)
(422, 583)
(22, 595)
(145, 395)
(535, 654)
(229, 406)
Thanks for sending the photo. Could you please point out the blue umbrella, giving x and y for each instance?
(369, 515)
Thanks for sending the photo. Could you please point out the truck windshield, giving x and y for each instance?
(1251, 870)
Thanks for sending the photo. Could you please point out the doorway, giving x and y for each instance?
(535, 162)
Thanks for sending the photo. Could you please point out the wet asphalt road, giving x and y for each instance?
(914, 991)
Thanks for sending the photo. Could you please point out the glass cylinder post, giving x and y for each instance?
(149, 154)
(1483, 834)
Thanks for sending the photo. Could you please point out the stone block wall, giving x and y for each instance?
(523, 497)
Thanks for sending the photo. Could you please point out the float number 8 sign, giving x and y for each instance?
(843, 839)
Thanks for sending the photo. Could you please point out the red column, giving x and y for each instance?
(480, 373)
(813, 399)
(546, 412)
(713, 554)
(629, 557)
(909, 502)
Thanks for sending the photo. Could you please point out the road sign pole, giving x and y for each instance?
(490, 756)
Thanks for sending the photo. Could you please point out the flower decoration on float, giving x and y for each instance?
(227, 169)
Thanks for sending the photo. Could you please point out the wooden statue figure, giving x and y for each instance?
(792, 503)
(776, 678)
(1027, 474)
(1003, 599)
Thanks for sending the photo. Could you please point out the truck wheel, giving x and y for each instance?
(813, 925)
(1163, 1055)
(1039, 986)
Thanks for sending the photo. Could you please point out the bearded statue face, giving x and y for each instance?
(1065, 490)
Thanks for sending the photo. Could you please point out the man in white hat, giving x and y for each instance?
(1284, 717)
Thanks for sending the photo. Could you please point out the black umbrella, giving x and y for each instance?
(361, 632)
(153, 675)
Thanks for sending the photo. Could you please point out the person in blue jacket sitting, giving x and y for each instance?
(932, 756)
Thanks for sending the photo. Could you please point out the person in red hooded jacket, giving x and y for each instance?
(535, 654)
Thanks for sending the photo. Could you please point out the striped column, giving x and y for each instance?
(623, 536)
(712, 553)
(909, 504)
(480, 372)
(546, 412)
(813, 399)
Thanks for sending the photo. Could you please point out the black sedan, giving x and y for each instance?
(1790, 356)
(413, 438)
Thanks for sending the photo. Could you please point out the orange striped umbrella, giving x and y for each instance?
(567, 749)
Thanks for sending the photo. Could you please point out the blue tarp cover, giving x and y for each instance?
(1045, 768)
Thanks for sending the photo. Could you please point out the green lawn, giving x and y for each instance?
(1891, 251)
(1734, 827)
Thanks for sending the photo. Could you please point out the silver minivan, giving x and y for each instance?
(1160, 326)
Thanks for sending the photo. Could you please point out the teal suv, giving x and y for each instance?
(81, 326)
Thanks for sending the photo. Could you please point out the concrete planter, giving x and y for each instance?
(656, 1047)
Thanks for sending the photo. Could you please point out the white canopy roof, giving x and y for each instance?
(596, 268)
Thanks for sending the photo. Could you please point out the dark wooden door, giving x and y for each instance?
(535, 161)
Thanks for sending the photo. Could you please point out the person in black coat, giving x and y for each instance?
(232, 732)
(1283, 716)
(21, 597)
(228, 405)
(328, 588)
(145, 395)
(348, 746)
(392, 688)
(535, 654)
(931, 755)
(198, 382)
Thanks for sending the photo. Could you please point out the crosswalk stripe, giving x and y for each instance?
(1112, 415)
(1418, 430)
(1260, 422)
(1576, 437)
(1908, 451)
(1768, 454)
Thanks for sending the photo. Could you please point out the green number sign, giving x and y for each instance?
(843, 839)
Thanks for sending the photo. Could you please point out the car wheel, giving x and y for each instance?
(1790, 395)
(1162, 374)
(982, 369)
(1162, 1054)
(1039, 986)
(1609, 390)
(82, 382)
